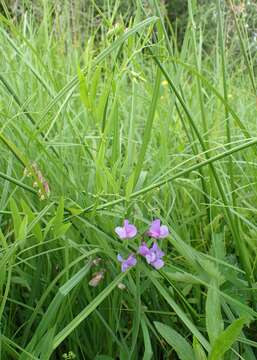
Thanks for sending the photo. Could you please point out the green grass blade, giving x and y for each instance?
(226, 339)
(62, 335)
(177, 341)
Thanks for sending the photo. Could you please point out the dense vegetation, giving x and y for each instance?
(110, 112)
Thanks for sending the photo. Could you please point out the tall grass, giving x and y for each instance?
(125, 122)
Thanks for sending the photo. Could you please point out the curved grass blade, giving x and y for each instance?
(241, 246)
(226, 339)
(50, 288)
(147, 128)
(17, 182)
(62, 335)
(148, 353)
(11, 345)
(117, 43)
(180, 313)
(170, 178)
(216, 93)
(172, 337)
(53, 309)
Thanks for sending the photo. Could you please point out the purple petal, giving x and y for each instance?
(119, 258)
(158, 264)
(155, 225)
(124, 266)
(157, 250)
(164, 231)
(143, 249)
(154, 230)
(131, 260)
(127, 231)
(148, 259)
(128, 263)
(131, 231)
(151, 257)
(121, 232)
(154, 246)
(125, 223)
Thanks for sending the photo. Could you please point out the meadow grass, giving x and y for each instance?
(123, 121)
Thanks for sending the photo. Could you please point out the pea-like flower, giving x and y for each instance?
(128, 230)
(157, 230)
(127, 263)
(153, 255)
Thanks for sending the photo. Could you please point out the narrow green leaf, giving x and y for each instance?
(180, 313)
(171, 178)
(117, 43)
(148, 128)
(36, 229)
(84, 93)
(61, 336)
(198, 350)
(148, 353)
(15, 217)
(214, 323)
(11, 345)
(51, 287)
(23, 230)
(226, 339)
(177, 341)
(59, 228)
(49, 318)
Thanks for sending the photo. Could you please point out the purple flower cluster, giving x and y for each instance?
(152, 254)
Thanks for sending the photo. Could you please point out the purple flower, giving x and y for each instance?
(153, 255)
(127, 263)
(157, 230)
(128, 230)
